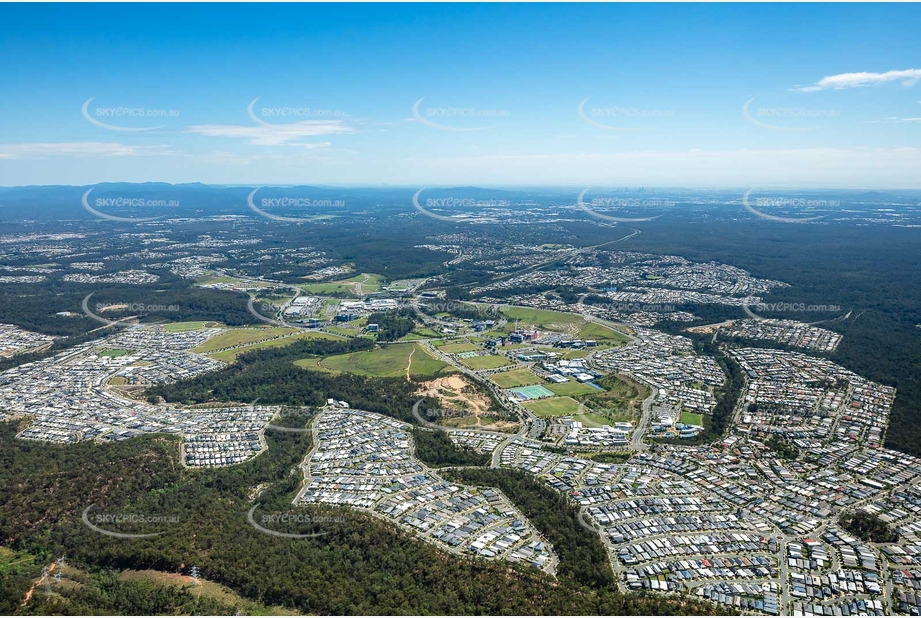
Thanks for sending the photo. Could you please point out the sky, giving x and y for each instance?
(727, 95)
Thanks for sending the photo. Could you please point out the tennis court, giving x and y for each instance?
(533, 392)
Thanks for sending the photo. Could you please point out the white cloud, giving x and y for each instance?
(102, 149)
(275, 135)
(894, 119)
(907, 77)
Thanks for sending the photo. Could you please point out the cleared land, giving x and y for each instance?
(228, 356)
(346, 286)
(621, 399)
(555, 406)
(487, 361)
(241, 336)
(388, 361)
(543, 319)
(181, 327)
(452, 348)
(205, 588)
(515, 377)
(602, 333)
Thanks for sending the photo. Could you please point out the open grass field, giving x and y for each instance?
(515, 377)
(592, 420)
(555, 406)
(207, 589)
(572, 389)
(453, 348)
(346, 286)
(542, 318)
(690, 418)
(229, 356)
(622, 396)
(388, 361)
(184, 327)
(488, 361)
(602, 333)
(241, 336)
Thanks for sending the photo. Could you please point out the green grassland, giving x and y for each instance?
(346, 286)
(451, 348)
(387, 361)
(488, 361)
(204, 588)
(541, 318)
(241, 336)
(592, 420)
(621, 398)
(229, 356)
(184, 327)
(572, 389)
(690, 418)
(554, 406)
(515, 377)
(602, 333)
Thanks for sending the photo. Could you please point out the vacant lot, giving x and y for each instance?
(621, 399)
(556, 406)
(452, 348)
(602, 333)
(515, 377)
(181, 327)
(241, 336)
(388, 361)
(544, 319)
(229, 356)
(487, 361)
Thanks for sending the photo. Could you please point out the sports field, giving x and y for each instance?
(515, 377)
(557, 406)
(690, 418)
(535, 391)
(572, 389)
(487, 361)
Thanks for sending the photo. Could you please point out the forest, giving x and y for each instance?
(361, 566)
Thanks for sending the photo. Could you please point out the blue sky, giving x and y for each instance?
(615, 95)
